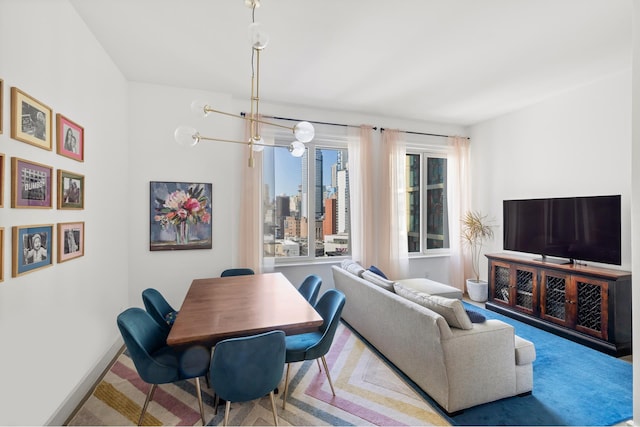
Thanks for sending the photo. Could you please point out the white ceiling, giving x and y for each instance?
(451, 61)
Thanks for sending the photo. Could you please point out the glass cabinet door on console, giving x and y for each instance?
(514, 285)
(576, 302)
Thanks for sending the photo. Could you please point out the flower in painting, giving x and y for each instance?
(183, 207)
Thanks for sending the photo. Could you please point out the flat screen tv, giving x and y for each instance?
(577, 228)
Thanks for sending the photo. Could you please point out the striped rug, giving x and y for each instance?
(368, 392)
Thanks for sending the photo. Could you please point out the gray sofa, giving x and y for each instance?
(458, 368)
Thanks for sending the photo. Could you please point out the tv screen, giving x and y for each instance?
(577, 228)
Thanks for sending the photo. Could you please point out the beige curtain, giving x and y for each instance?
(393, 256)
(361, 194)
(250, 241)
(458, 198)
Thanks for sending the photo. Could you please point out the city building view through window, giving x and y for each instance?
(306, 203)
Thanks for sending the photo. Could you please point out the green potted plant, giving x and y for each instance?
(475, 230)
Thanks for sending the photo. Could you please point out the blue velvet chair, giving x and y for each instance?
(237, 272)
(247, 368)
(314, 345)
(310, 288)
(158, 307)
(155, 361)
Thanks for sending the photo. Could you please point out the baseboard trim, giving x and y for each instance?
(85, 387)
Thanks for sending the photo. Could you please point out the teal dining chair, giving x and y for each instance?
(310, 288)
(314, 345)
(158, 307)
(247, 368)
(237, 272)
(155, 361)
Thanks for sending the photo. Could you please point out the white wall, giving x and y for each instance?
(575, 144)
(635, 211)
(56, 324)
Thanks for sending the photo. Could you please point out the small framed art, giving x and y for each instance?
(70, 138)
(30, 120)
(1, 105)
(70, 190)
(70, 240)
(31, 184)
(32, 247)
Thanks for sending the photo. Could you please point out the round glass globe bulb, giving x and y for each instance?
(260, 147)
(296, 148)
(186, 136)
(304, 131)
(198, 107)
(257, 36)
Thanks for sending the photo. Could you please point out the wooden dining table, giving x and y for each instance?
(219, 308)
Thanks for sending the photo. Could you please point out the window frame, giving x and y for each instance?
(323, 140)
(426, 152)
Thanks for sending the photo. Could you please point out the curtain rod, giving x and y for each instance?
(425, 134)
(243, 114)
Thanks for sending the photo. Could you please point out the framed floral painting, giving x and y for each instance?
(180, 216)
(32, 247)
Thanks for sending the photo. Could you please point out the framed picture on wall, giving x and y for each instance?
(70, 240)
(70, 190)
(30, 120)
(1, 105)
(180, 216)
(31, 184)
(32, 247)
(70, 138)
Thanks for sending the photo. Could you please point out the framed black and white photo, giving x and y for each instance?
(30, 120)
(70, 240)
(32, 247)
(31, 184)
(70, 190)
(70, 140)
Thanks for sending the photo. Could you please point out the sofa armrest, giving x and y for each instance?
(480, 364)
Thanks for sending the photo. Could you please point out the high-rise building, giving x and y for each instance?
(318, 185)
(342, 209)
(329, 224)
(282, 211)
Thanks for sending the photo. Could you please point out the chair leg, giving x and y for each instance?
(286, 387)
(215, 405)
(319, 368)
(273, 408)
(146, 402)
(326, 371)
(200, 401)
(227, 407)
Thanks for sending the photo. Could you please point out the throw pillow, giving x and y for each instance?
(475, 317)
(450, 308)
(377, 271)
(170, 317)
(377, 280)
(355, 268)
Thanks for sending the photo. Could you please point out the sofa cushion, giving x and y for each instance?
(353, 267)
(432, 287)
(475, 317)
(377, 280)
(379, 272)
(450, 308)
(525, 351)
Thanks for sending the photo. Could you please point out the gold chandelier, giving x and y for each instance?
(303, 131)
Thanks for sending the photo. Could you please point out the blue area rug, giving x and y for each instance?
(572, 385)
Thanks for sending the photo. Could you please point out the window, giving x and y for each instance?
(426, 181)
(306, 203)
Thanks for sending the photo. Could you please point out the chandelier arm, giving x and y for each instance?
(208, 109)
(207, 138)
